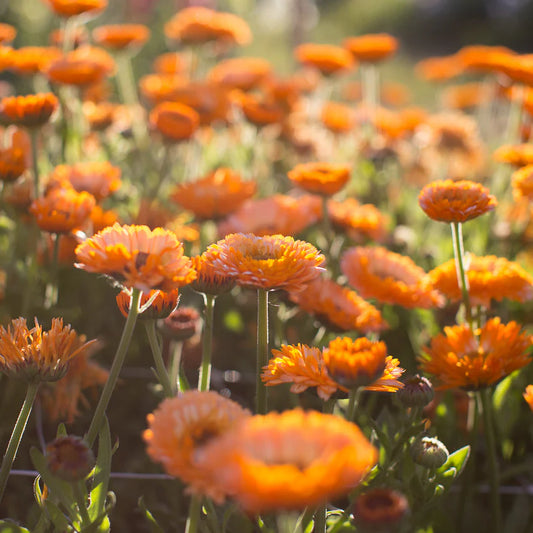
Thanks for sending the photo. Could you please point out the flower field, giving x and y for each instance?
(241, 297)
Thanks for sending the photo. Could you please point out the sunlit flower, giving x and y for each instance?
(518, 155)
(180, 427)
(337, 307)
(359, 221)
(327, 58)
(337, 117)
(19, 193)
(287, 215)
(29, 60)
(301, 366)
(372, 48)
(270, 262)
(7, 33)
(170, 63)
(136, 257)
(522, 181)
(99, 178)
(489, 278)
(208, 279)
(320, 178)
(12, 163)
(193, 25)
(289, 460)
(32, 111)
(243, 73)
(121, 36)
(72, 8)
(101, 218)
(482, 58)
(157, 88)
(216, 195)
(439, 68)
(455, 201)
(258, 109)
(471, 359)
(528, 396)
(176, 122)
(34, 355)
(388, 277)
(163, 304)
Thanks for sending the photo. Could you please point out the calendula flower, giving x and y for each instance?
(216, 195)
(12, 163)
(137, 257)
(29, 60)
(270, 262)
(289, 460)
(302, 366)
(327, 58)
(99, 115)
(182, 324)
(176, 122)
(466, 96)
(258, 109)
(388, 277)
(72, 8)
(7, 33)
(380, 508)
(69, 458)
(489, 278)
(337, 307)
(208, 279)
(170, 63)
(163, 303)
(471, 359)
(36, 355)
(528, 396)
(481, 58)
(455, 201)
(62, 209)
(243, 73)
(158, 88)
(101, 218)
(337, 117)
(518, 155)
(522, 181)
(32, 111)
(180, 427)
(372, 47)
(121, 36)
(195, 25)
(99, 178)
(439, 69)
(287, 215)
(320, 178)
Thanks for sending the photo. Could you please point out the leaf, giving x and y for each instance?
(7, 526)
(61, 430)
(152, 523)
(102, 472)
(457, 459)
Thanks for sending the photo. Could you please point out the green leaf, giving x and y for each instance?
(61, 430)
(152, 523)
(57, 517)
(102, 472)
(7, 526)
(457, 459)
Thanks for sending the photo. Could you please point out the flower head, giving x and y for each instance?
(72, 8)
(455, 201)
(289, 460)
(522, 180)
(380, 508)
(163, 303)
(180, 427)
(320, 178)
(388, 277)
(327, 58)
(208, 279)
(7, 33)
(137, 257)
(528, 396)
(472, 360)
(518, 155)
(372, 47)
(243, 73)
(270, 262)
(69, 458)
(32, 111)
(121, 36)
(29, 60)
(176, 122)
(12, 163)
(37, 355)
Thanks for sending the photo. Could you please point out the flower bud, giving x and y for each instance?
(429, 452)
(417, 392)
(69, 458)
(181, 324)
(380, 510)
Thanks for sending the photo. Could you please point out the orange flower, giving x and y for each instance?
(388, 277)
(216, 195)
(99, 178)
(475, 359)
(78, 37)
(269, 263)
(439, 68)
(489, 278)
(289, 460)
(243, 73)
(280, 213)
(258, 109)
(179, 429)
(136, 257)
(395, 94)
(193, 25)
(19, 193)
(99, 115)
(176, 122)
(326, 58)
(121, 36)
(528, 396)
(72, 8)
(522, 180)
(208, 279)
(337, 117)
(337, 307)
(321, 178)
(303, 367)
(34, 355)
(160, 87)
(518, 155)
(380, 508)
(371, 48)
(480, 58)
(359, 221)
(32, 111)
(455, 201)
(7, 33)
(29, 60)
(12, 163)
(466, 96)
(170, 63)
(101, 219)
(62, 209)
(163, 303)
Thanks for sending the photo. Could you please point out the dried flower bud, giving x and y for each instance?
(417, 391)
(429, 452)
(69, 458)
(380, 510)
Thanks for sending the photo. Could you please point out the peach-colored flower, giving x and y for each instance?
(327, 58)
(72, 8)
(32, 111)
(243, 73)
(372, 48)
(518, 155)
(522, 181)
(176, 122)
(121, 36)
(7, 33)
(163, 303)
(208, 279)
(320, 178)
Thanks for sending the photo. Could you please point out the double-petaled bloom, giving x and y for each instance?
(31, 111)
(320, 178)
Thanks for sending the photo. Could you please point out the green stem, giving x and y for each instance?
(80, 496)
(161, 370)
(52, 289)
(16, 436)
(458, 250)
(262, 350)
(486, 402)
(116, 367)
(175, 363)
(326, 222)
(34, 138)
(194, 514)
(353, 402)
(204, 379)
(320, 520)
